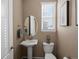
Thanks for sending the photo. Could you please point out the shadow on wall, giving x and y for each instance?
(67, 36)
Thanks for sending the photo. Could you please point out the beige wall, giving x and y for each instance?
(17, 20)
(33, 7)
(67, 36)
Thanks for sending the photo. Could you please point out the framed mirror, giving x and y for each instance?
(30, 27)
(64, 14)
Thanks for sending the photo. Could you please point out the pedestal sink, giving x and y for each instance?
(29, 44)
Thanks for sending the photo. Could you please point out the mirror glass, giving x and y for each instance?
(29, 26)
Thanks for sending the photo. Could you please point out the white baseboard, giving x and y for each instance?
(33, 57)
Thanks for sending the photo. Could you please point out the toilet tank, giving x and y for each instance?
(48, 47)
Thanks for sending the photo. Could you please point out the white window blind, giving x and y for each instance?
(48, 16)
(4, 27)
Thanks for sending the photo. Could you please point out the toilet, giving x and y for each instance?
(48, 49)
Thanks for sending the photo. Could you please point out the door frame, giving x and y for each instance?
(11, 27)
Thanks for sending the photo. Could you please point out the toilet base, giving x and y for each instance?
(49, 56)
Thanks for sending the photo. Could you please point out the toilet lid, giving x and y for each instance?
(49, 56)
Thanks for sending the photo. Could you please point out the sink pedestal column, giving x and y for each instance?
(29, 52)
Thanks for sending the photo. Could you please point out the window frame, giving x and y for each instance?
(53, 17)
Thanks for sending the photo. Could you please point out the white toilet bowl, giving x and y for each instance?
(48, 48)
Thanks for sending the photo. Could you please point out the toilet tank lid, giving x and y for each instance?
(51, 43)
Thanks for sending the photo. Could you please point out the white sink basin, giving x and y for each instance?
(29, 42)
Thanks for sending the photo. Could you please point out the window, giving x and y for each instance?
(48, 15)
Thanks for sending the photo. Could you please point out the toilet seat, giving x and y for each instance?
(49, 56)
